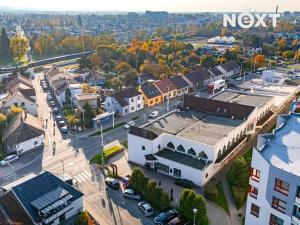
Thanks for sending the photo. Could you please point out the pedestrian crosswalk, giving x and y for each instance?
(82, 176)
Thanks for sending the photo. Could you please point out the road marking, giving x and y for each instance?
(87, 173)
(79, 178)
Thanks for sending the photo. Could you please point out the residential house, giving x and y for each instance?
(197, 79)
(124, 102)
(151, 95)
(43, 199)
(59, 89)
(81, 99)
(24, 98)
(216, 74)
(229, 68)
(75, 89)
(181, 84)
(24, 133)
(252, 49)
(146, 78)
(167, 88)
(94, 78)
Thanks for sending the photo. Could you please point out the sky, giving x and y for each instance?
(142, 5)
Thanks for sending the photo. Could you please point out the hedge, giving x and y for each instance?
(239, 196)
(108, 153)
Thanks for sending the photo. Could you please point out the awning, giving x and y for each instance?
(150, 157)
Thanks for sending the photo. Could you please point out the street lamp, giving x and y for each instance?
(195, 211)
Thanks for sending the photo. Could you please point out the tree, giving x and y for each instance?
(130, 76)
(85, 63)
(150, 193)
(238, 175)
(259, 60)
(164, 202)
(68, 95)
(207, 61)
(82, 218)
(123, 67)
(136, 173)
(89, 114)
(19, 47)
(15, 109)
(5, 44)
(288, 54)
(116, 83)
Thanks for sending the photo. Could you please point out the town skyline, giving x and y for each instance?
(168, 5)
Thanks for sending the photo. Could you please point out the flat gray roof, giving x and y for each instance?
(241, 98)
(197, 126)
(283, 150)
(182, 159)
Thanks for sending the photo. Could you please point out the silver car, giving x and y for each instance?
(9, 159)
(131, 194)
(146, 208)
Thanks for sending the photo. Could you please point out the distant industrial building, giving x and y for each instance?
(157, 15)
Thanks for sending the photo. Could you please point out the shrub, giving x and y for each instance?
(239, 196)
(211, 193)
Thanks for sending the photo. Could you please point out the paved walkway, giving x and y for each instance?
(235, 220)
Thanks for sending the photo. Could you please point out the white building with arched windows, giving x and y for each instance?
(194, 142)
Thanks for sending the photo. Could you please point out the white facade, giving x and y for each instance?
(61, 98)
(134, 104)
(28, 145)
(274, 191)
(23, 102)
(271, 77)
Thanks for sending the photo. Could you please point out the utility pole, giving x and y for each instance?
(168, 99)
(102, 145)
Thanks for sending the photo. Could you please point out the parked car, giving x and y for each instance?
(129, 124)
(178, 221)
(64, 129)
(44, 87)
(49, 97)
(58, 117)
(238, 78)
(131, 194)
(165, 217)
(113, 183)
(61, 123)
(184, 183)
(146, 208)
(9, 159)
(52, 103)
(126, 181)
(154, 114)
(55, 110)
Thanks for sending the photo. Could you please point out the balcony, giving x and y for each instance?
(58, 214)
(295, 220)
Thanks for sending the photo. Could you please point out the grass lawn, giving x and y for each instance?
(221, 200)
(125, 144)
(108, 129)
(108, 153)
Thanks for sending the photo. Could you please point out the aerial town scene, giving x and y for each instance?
(165, 112)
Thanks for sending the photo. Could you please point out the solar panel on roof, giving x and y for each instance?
(49, 198)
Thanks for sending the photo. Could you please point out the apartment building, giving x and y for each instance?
(274, 184)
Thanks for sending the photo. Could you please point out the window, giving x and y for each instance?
(255, 174)
(274, 220)
(254, 210)
(143, 148)
(139, 97)
(132, 100)
(281, 186)
(278, 204)
(151, 102)
(202, 155)
(298, 192)
(253, 191)
(174, 93)
(296, 212)
(139, 105)
(170, 145)
(22, 104)
(126, 110)
(162, 167)
(180, 148)
(177, 172)
(191, 151)
(132, 108)
(35, 143)
(156, 100)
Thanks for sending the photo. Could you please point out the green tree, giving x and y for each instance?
(68, 96)
(123, 67)
(136, 173)
(89, 113)
(163, 202)
(288, 54)
(150, 193)
(207, 61)
(5, 44)
(238, 175)
(183, 197)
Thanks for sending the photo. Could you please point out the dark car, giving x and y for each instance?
(165, 217)
(184, 183)
(113, 183)
(55, 110)
(64, 129)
